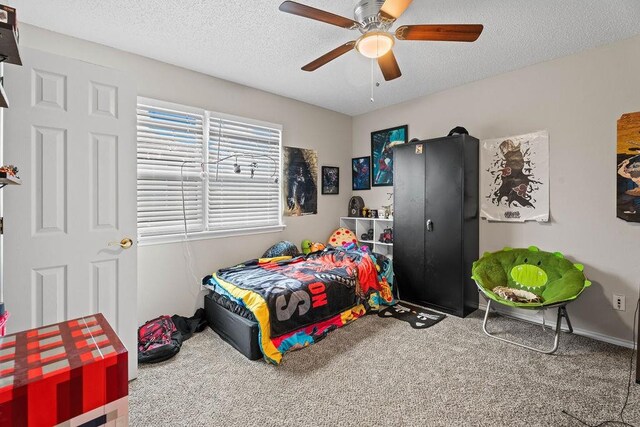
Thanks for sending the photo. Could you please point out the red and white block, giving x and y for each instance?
(70, 374)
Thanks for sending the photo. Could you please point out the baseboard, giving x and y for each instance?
(523, 315)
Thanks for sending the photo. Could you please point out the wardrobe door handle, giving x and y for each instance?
(429, 225)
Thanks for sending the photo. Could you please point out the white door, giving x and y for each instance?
(71, 131)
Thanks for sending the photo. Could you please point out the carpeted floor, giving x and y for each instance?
(379, 371)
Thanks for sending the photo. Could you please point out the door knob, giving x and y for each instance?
(125, 243)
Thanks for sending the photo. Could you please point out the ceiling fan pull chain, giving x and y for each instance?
(372, 66)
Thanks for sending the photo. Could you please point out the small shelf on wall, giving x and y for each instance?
(9, 51)
(9, 180)
(362, 225)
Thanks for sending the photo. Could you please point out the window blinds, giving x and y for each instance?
(171, 138)
(237, 200)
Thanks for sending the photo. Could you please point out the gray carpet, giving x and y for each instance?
(379, 371)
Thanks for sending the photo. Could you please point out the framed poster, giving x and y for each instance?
(628, 168)
(382, 142)
(514, 178)
(330, 180)
(300, 181)
(361, 173)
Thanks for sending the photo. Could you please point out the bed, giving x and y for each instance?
(266, 307)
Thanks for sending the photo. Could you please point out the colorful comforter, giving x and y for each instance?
(298, 301)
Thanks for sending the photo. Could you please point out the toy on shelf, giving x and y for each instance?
(388, 211)
(386, 236)
(9, 170)
(368, 235)
(9, 175)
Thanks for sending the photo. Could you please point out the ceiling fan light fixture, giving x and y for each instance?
(375, 44)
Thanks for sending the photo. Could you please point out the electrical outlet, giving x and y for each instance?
(619, 302)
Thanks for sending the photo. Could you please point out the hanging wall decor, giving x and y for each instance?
(382, 142)
(361, 173)
(330, 180)
(628, 167)
(514, 178)
(300, 181)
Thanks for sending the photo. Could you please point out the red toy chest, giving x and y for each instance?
(70, 373)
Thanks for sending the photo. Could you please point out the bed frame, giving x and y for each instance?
(241, 333)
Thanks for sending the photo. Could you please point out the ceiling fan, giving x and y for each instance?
(374, 18)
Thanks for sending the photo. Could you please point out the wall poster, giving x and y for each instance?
(628, 168)
(382, 143)
(300, 181)
(514, 178)
(361, 173)
(330, 180)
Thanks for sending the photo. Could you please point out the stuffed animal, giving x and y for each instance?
(317, 247)
(341, 236)
(306, 246)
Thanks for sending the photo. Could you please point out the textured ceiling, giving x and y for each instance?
(252, 43)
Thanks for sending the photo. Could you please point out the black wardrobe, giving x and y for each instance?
(435, 223)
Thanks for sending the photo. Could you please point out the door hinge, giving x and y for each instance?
(1, 225)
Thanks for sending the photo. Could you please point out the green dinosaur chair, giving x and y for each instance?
(529, 279)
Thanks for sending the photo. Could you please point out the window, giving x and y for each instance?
(226, 168)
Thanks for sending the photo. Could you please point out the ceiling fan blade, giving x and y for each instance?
(330, 56)
(317, 14)
(392, 9)
(389, 66)
(448, 33)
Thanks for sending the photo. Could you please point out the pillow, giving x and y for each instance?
(342, 235)
(283, 248)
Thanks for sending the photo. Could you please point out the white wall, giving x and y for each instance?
(578, 99)
(164, 284)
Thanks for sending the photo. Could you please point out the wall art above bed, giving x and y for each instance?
(514, 178)
(300, 181)
(330, 180)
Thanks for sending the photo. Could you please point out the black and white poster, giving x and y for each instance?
(514, 178)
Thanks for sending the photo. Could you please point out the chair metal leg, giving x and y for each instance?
(562, 312)
(566, 317)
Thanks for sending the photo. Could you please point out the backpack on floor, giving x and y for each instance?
(158, 340)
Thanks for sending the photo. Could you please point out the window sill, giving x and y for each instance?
(205, 235)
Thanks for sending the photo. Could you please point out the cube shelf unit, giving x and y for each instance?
(361, 225)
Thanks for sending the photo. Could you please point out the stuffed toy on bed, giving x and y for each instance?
(341, 236)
